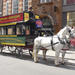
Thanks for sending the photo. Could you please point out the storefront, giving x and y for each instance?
(71, 18)
(68, 12)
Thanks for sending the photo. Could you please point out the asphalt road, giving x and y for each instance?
(13, 65)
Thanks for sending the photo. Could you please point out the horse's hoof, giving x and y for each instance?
(36, 61)
(57, 65)
(45, 59)
(62, 63)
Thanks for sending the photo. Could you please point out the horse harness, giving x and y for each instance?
(62, 42)
(52, 44)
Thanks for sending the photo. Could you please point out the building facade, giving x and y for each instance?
(15, 6)
(68, 12)
(1, 8)
(52, 8)
(47, 9)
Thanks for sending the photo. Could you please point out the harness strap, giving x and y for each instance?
(52, 44)
(62, 42)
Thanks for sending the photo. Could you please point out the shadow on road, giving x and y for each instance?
(48, 62)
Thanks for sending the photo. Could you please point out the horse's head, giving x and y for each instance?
(72, 33)
(66, 31)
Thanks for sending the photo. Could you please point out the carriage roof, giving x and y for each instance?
(15, 18)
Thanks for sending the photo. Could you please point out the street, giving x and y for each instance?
(12, 65)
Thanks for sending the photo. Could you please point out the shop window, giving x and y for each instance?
(11, 30)
(71, 18)
(70, 1)
(2, 30)
(15, 6)
(67, 2)
(18, 30)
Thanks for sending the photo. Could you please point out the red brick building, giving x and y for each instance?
(49, 8)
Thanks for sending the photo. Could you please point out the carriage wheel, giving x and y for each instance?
(12, 49)
(1, 49)
(30, 52)
(19, 51)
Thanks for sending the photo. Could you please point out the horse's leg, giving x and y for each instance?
(57, 53)
(35, 53)
(63, 55)
(44, 54)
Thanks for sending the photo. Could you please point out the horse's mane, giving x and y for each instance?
(61, 32)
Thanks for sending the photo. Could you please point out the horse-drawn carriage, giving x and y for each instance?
(18, 31)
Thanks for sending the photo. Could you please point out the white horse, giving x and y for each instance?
(55, 42)
(73, 32)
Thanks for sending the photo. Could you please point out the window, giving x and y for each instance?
(25, 5)
(15, 6)
(45, 1)
(11, 30)
(64, 2)
(2, 30)
(70, 1)
(18, 30)
(1, 7)
(27, 30)
(7, 3)
(0, 11)
(46, 22)
(23, 29)
(67, 2)
(71, 18)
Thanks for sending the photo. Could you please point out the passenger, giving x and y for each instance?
(31, 15)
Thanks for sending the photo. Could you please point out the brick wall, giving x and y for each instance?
(48, 9)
